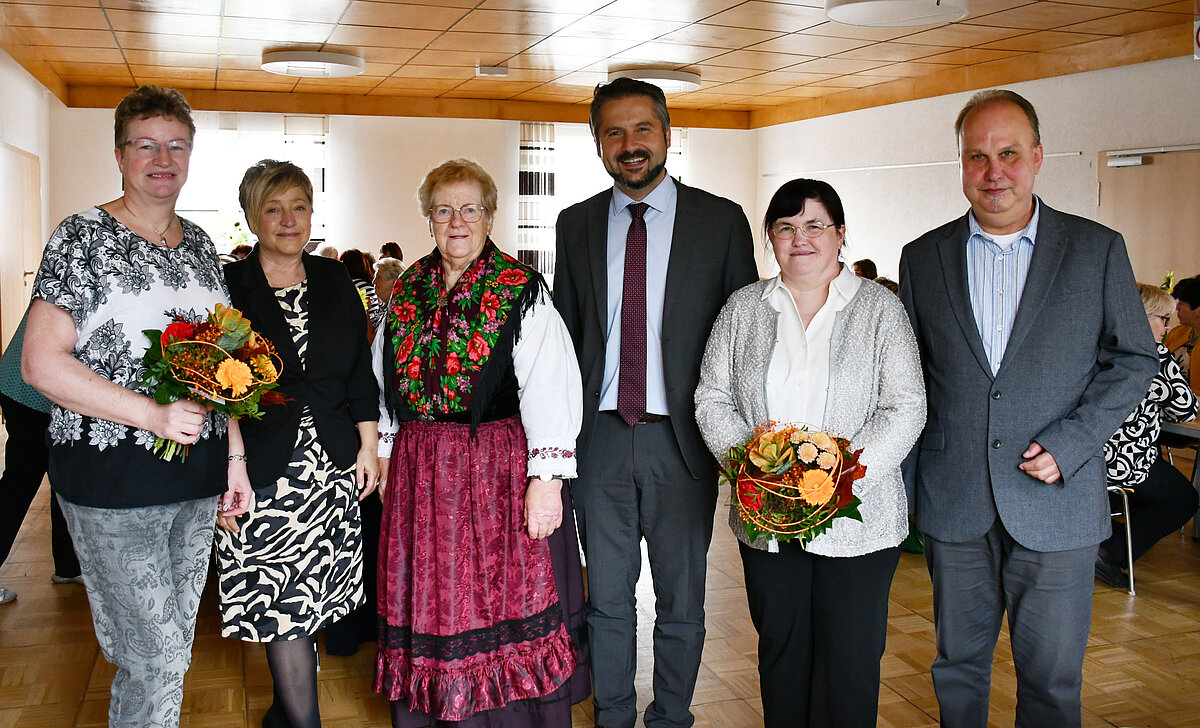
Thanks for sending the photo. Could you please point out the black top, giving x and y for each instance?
(336, 383)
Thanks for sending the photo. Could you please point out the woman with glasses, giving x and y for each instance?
(142, 526)
(820, 346)
(294, 563)
(480, 589)
(1160, 497)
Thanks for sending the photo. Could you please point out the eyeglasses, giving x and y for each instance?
(468, 213)
(148, 148)
(787, 231)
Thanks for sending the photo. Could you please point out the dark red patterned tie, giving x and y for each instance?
(631, 385)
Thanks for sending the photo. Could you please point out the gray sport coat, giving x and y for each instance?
(1079, 359)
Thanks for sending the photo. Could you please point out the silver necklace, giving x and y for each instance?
(162, 236)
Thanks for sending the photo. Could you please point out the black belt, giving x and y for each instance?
(645, 420)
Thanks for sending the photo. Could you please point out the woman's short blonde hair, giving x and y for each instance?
(457, 170)
(264, 180)
(1155, 300)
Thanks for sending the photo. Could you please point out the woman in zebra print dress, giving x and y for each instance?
(293, 564)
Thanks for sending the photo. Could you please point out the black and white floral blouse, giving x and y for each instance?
(115, 284)
(1131, 451)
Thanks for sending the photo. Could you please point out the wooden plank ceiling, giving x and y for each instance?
(761, 62)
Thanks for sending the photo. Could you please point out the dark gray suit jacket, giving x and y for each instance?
(712, 255)
(1079, 359)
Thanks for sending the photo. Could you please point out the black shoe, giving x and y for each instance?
(1111, 574)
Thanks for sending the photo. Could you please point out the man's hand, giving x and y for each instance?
(1040, 464)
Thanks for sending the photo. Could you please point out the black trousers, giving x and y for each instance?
(26, 457)
(1159, 505)
(822, 628)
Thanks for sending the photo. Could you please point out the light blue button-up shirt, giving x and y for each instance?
(660, 225)
(996, 280)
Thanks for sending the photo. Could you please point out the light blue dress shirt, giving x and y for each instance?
(996, 280)
(660, 225)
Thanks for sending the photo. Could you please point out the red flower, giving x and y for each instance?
(512, 277)
(437, 318)
(177, 331)
(749, 496)
(452, 363)
(406, 348)
(450, 393)
(477, 348)
(406, 311)
(489, 304)
(414, 368)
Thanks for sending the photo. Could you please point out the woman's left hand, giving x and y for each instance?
(237, 498)
(543, 507)
(366, 470)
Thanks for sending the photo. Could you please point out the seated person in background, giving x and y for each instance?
(1162, 499)
(889, 284)
(327, 250)
(387, 270)
(1181, 340)
(865, 268)
(360, 273)
(391, 249)
(241, 251)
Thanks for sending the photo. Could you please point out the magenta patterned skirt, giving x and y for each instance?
(477, 621)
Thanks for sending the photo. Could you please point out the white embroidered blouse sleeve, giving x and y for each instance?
(551, 391)
(387, 425)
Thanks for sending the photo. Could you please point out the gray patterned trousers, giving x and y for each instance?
(144, 569)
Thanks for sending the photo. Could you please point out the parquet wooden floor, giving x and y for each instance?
(1142, 667)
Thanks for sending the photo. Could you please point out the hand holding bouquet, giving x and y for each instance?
(791, 482)
(219, 362)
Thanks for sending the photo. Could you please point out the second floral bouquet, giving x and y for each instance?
(792, 482)
(220, 362)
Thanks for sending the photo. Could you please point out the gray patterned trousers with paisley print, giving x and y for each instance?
(144, 569)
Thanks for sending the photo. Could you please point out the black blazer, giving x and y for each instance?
(337, 384)
(712, 255)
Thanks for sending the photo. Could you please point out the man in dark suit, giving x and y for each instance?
(1035, 347)
(642, 271)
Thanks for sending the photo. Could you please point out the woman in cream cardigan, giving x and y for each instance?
(817, 345)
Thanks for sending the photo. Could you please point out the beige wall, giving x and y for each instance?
(25, 133)
(1144, 105)
(382, 159)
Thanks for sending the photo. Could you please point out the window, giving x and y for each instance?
(559, 167)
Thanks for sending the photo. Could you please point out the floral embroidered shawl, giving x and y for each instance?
(442, 341)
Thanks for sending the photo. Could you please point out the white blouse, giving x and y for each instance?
(550, 392)
(798, 375)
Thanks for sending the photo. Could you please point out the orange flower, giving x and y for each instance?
(817, 488)
(234, 376)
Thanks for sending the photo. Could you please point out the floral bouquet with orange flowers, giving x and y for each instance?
(220, 362)
(791, 482)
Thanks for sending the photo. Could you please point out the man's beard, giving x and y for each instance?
(646, 180)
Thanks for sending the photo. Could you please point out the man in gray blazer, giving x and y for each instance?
(642, 271)
(1035, 347)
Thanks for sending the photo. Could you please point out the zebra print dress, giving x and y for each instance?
(296, 564)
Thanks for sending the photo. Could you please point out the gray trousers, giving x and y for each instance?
(634, 484)
(1048, 597)
(144, 569)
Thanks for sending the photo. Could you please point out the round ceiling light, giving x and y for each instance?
(895, 13)
(312, 64)
(671, 82)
